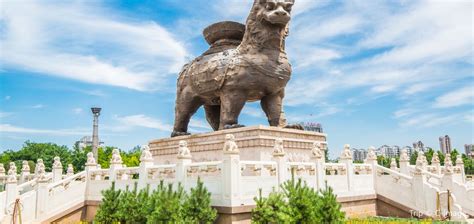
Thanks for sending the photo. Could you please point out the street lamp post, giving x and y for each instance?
(95, 132)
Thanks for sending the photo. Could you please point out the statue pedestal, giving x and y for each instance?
(255, 143)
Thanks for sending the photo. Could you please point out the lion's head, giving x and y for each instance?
(276, 12)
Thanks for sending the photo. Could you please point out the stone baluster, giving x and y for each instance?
(146, 160)
(393, 164)
(2, 181)
(42, 194)
(90, 166)
(418, 184)
(231, 173)
(39, 166)
(11, 187)
(70, 170)
(3, 177)
(25, 171)
(447, 179)
(279, 156)
(317, 157)
(115, 163)
(436, 163)
(372, 160)
(460, 165)
(346, 158)
(57, 169)
(404, 162)
(184, 159)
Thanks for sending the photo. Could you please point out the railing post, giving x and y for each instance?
(41, 192)
(447, 179)
(279, 156)
(90, 164)
(11, 188)
(231, 173)
(436, 163)
(57, 169)
(404, 162)
(70, 170)
(25, 171)
(317, 157)
(393, 164)
(146, 160)
(418, 185)
(372, 160)
(460, 165)
(184, 159)
(346, 158)
(115, 163)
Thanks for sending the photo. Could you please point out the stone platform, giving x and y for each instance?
(255, 143)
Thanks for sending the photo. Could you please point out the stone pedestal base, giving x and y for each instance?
(255, 143)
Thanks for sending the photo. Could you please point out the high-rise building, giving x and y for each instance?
(469, 150)
(419, 146)
(445, 144)
(359, 154)
(86, 141)
(409, 150)
(389, 151)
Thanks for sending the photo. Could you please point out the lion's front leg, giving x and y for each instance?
(232, 103)
(272, 106)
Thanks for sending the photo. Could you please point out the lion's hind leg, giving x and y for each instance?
(186, 105)
(213, 114)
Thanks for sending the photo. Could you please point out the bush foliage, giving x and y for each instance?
(164, 205)
(297, 203)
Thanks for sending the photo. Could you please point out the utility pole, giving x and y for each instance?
(95, 132)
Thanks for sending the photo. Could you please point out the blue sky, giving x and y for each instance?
(372, 72)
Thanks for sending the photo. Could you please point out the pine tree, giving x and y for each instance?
(197, 206)
(328, 209)
(167, 204)
(302, 200)
(129, 207)
(107, 212)
(273, 209)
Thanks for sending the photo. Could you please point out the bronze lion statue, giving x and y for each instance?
(244, 63)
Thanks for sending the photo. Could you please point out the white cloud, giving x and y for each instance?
(463, 96)
(4, 114)
(253, 112)
(87, 43)
(140, 120)
(77, 110)
(37, 106)
(7, 128)
(198, 124)
(431, 120)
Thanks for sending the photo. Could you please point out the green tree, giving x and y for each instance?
(329, 210)
(167, 204)
(108, 209)
(197, 206)
(273, 209)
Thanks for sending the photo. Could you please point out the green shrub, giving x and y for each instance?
(163, 205)
(108, 209)
(197, 207)
(298, 203)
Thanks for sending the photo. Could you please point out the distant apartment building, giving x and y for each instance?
(409, 149)
(312, 126)
(419, 146)
(359, 154)
(445, 144)
(86, 141)
(469, 150)
(389, 151)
